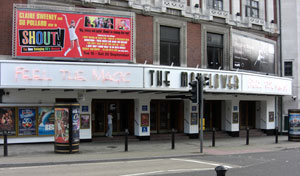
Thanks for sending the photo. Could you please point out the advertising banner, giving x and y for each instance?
(7, 120)
(27, 121)
(76, 123)
(46, 121)
(84, 121)
(294, 121)
(70, 35)
(252, 54)
(61, 125)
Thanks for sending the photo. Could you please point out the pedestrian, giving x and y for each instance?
(110, 125)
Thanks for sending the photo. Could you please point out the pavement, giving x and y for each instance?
(20, 155)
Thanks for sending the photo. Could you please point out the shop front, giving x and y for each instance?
(135, 94)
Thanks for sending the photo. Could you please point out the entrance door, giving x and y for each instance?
(247, 114)
(165, 115)
(122, 112)
(212, 115)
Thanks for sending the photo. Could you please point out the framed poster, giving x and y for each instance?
(48, 34)
(144, 120)
(76, 123)
(235, 117)
(194, 117)
(46, 121)
(27, 121)
(84, 121)
(61, 125)
(271, 116)
(7, 120)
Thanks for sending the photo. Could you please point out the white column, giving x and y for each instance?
(231, 119)
(267, 114)
(142, 110)
(191, 118)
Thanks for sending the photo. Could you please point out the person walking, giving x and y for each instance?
(110, 125)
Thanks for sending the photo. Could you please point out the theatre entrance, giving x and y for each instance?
(122, 112)
(212, 114)
(165, 115)
(247, 114)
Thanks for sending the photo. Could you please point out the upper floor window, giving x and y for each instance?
(214, 50)
(169, 46)
(288, 68)
(215, 4)
(252, 8)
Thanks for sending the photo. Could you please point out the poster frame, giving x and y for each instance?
(38, 121)
(18, 128)
(15, 119)
(80, 11)
(82, 126)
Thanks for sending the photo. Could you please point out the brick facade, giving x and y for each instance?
(144, 39)
(6, 23)
(193, 44)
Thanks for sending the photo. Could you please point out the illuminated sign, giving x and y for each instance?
(71, 35)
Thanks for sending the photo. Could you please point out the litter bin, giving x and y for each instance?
(67, 126)
(294, 125)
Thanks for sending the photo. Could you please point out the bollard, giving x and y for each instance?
(247, 137)
(5, 143)
(276, 135)
(221, 170)
(173, 138)
(213, 137)
(126, 140)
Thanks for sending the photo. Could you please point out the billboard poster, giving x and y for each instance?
(76, 123)
(72, 36)
(84, 121)
(194, 117)
(27, 121)
(61, 125)
(294, 121)
(253, 54)
(145, 120)
(7, 120)
(46, 121)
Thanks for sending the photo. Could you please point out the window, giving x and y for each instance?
(215, 4)
(252, 8)
(214, 50)
(288, 68)
(169, 46)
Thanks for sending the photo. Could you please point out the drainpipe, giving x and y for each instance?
(280, 66)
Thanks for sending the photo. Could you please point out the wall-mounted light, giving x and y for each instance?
(196, 6)
(272, 21)
(238, 14)
(294, 97)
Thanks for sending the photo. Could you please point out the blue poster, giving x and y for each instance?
(27, 122)
(46, 121)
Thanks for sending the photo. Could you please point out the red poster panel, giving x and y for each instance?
(69, 36)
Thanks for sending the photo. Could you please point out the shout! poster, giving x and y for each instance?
(70, 35)
(46, 121)
(61, 125)
(27, 122)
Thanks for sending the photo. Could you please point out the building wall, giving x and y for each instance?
(6, 23)
(194, 44)
(144, 39)
(291, 47)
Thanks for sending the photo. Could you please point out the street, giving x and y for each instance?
(278, 163)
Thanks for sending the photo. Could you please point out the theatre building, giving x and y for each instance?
(128, 58)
